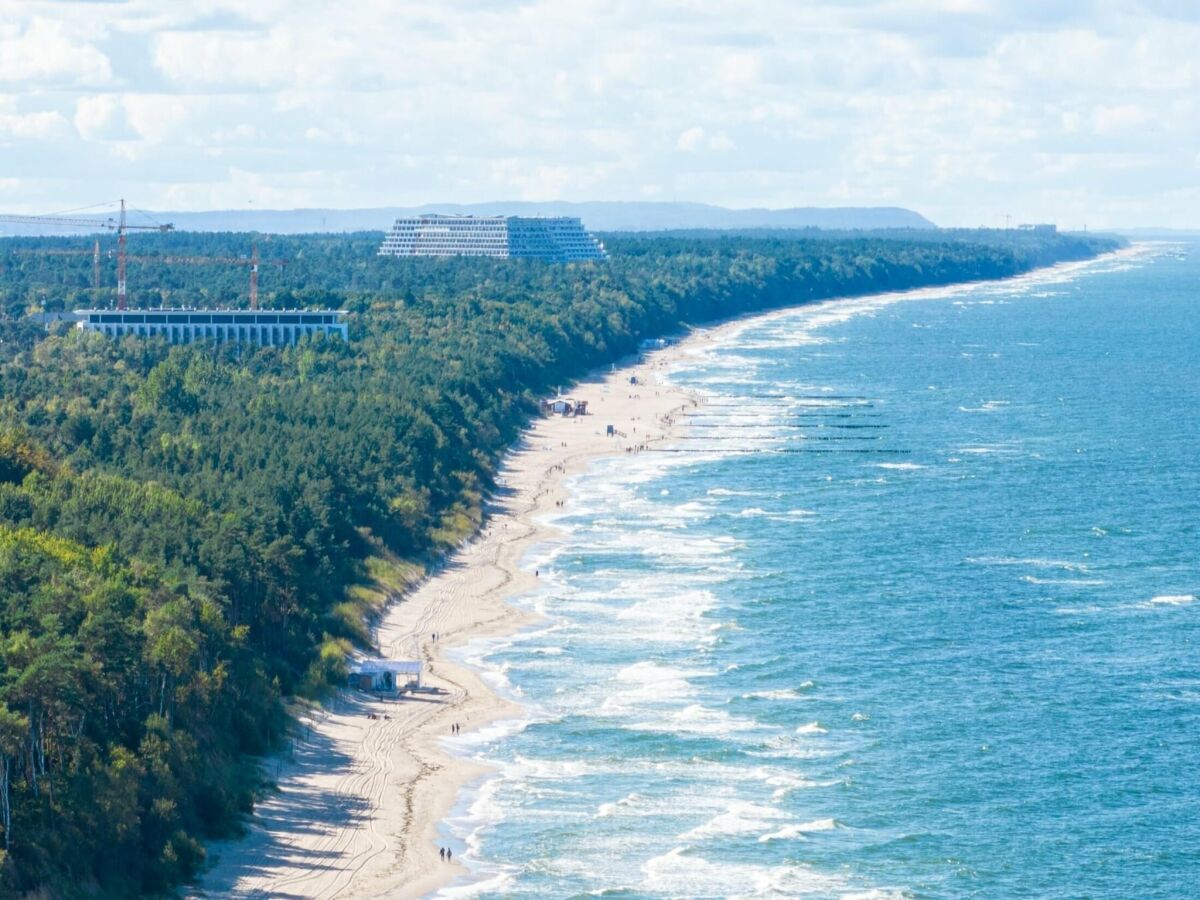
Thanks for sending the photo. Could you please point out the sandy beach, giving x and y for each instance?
(366, 783)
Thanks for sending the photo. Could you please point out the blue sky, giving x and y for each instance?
(966, 110)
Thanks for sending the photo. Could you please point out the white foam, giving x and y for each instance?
(798, 831)
(780, 694)
(1172, 600)
(986, 407)
(811, 728)
(499, 883)
(740, 818)
(1034, 562)
(698, 719)
(649, 682)
(682, 873)
(786, 782)
(900, 467)
(611, 809)
(1075, 582)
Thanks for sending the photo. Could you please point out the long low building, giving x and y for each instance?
(244, 326)
(550, 238)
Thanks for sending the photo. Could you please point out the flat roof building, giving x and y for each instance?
(555, 239)
(384, 674)
(274, 328)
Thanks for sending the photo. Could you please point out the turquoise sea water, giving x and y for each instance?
(914, 615)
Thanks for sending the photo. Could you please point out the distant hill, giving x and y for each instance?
(597, 216)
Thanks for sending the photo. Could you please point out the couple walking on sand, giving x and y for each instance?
(445, 853)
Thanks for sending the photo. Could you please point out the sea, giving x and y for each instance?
(908, 609)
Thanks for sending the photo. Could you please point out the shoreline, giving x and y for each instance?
(360, 804)
(361, 798)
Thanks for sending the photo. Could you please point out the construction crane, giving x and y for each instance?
(69, 251)
(253, 261)
(120, 226)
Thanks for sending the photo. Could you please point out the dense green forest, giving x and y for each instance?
(191, 535)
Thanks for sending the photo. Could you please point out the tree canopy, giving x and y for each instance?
(182, 528)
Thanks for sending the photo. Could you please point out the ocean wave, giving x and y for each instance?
(740, 818)
(611, 809)
(1035, 562)
(798, 831)
(779, 694)
(497, 883)
(811, 728)
(785, 783)
(1172, 600)
(683, 873)
(1070, 582)
(699, 719)
(988, 406)
(650, 682)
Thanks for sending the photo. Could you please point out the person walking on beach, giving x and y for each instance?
(449, 854)
(442, 853)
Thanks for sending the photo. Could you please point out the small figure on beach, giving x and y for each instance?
(449, 854)
(442, 853)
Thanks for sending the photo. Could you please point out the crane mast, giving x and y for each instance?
(121, 298)
(120, 226)
(254, 261)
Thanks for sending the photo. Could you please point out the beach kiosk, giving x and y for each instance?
(384, 676)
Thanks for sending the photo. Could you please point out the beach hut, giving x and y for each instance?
(384, 675)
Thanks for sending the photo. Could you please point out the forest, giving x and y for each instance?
(192, 537)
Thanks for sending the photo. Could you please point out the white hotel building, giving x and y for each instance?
(245, 326)
(555, 239)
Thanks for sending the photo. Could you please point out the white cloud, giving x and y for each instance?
(44, 50)
(691, 139)
(963, 109)
(1118, 119)
(96, 116)
(35, 126)
(158, 117)
(696, 138)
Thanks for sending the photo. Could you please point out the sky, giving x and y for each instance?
(1069, 111)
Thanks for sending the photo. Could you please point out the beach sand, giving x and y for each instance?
(366, 784)
(361, 799)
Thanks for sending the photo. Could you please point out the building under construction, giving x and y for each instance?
(276, 328)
